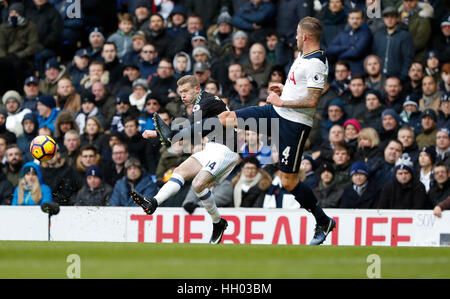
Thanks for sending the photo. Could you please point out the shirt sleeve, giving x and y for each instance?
(316, 75)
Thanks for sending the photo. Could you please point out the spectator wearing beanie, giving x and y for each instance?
(336, 115)
(362, 194)
(405, 191)
(351, 132)
(429, 129)
(13, 103)
(309, 166)
(220, 34)
(390, 124)
(427, 158)
(30, 128)
(176, 23)
(53, 73)
(47, 112)
(411, 114)
(95, 192)
(327, 193)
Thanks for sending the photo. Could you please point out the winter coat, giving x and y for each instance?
(122, 42)
(76, 75)
(291, 12)
(121, 194)
(107, 108)
(342, 175)
(260, 75)
(14, 121)
(47, 87)
(21, 41)
(249, 14)
(148, 69)
(169, 160)
(100, 141)
(412, 195)
(365, 154)
(137, 147)
(443, 121)
(28, 200)
(352, 46)
(332, 24)
(94, 197)
(6, 190)
(328, 197)
(161, 88)
(253, 197)
(396, 51)
(49, 24)
(50, 121)
(420, 28)
(63, 181)
(381, 171)
(368, 199)
(438, 194)
(426, 138)
(161, 40)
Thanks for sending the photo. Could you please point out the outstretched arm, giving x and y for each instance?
(310, 101)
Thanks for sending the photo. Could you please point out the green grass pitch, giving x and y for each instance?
(226, 261)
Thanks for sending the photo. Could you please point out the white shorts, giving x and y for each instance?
(217, 159)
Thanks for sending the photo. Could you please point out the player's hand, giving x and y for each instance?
(149, 134)
(437, 211)
(276, 88)
(274, 99)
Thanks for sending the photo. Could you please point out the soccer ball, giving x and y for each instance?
(43, 148)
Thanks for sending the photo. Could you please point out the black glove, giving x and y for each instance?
(190, 207)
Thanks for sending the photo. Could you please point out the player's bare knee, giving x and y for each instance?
(198, 186)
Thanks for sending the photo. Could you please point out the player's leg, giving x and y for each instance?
(200, 186)
(185, 171)
(219, 164)
(292, 139)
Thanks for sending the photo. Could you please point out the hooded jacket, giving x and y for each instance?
(24, 141)
(21, 41)
(28, 200)
(14, 119)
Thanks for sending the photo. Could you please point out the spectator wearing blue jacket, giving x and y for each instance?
(255, 15)
(152, 105)
(290, 12)
(31, 190)
(334, 19)
(353, 43)
(394, 45)
(135, 179)
(47, 112)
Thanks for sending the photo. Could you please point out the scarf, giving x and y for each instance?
(360, 189)
(14, 22)
(428, 99)
(243, 185)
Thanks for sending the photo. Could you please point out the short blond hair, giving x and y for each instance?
(192, 80)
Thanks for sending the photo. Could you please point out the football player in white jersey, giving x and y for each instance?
(295, 109)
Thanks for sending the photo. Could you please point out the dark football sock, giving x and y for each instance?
(304, 195)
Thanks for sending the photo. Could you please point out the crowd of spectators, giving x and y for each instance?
(91, 74)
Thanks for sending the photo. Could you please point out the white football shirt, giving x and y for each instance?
(308, 71)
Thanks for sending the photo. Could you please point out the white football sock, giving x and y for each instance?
(170, 188)
(209, 204)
